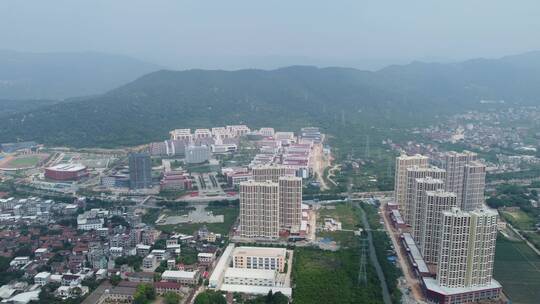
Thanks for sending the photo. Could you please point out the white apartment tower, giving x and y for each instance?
(420, 187)
(259, 209)
(454, 163)
(474, 184)
(290, 202)
(467, 248)
(436, 202)
(482, 247)
(412, 173)
(403, 162)
(453, 253)
(272, 173)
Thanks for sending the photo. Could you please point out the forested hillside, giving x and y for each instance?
(333, 98)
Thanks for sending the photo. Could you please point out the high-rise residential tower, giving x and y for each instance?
(140, 171)
(453, 252)
(290, 202)
(404, 162)
(412, 173)
(467, 248)
(474, 184)
(259, 210)
(481, 247)
(420, 187)
(454, 163)
(436, 202)
(272, 173)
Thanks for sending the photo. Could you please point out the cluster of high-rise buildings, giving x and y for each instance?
(270, 202)
(443, 208)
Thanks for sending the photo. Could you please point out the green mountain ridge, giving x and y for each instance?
(395, 97)
(62, 75)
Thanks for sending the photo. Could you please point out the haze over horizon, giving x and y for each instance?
(246, 34)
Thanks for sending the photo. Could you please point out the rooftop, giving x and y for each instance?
(260, 251)
(67, 167)
(251, 273)
(179, 274)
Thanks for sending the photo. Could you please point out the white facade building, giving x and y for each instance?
(404, 162)
(259, 210)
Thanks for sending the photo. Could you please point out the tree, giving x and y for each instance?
(144, 294)
(115, 279)
(172, 298)
(210, 297)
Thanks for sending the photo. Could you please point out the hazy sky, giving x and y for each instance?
(250, 33)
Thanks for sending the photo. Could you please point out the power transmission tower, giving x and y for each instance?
(367, 146)
(362, 274)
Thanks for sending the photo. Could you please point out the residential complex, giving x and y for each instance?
(435, 203)
(259, 209)
(413, 173)
(404, 162)
(445, 224)
(290, 202)
(474, 184)
(454, 163)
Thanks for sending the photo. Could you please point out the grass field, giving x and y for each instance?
(517, 268)
(344, 213)
(23, 161)
(331, 277)
(519, 219)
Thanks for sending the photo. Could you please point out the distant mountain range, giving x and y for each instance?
(62, 75)
(147, 108)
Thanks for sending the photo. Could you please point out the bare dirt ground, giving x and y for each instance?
(412, 282)
(320, 162)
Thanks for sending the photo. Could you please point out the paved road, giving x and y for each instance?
(373, 257)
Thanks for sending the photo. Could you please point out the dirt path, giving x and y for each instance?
(320, 162)
(412, 282)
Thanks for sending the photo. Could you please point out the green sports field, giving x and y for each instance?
(517, 268)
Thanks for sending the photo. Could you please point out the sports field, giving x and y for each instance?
(517, 268)
(22, 161)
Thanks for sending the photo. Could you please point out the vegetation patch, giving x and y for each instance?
(517, 268)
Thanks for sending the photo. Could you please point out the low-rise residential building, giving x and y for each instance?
(205, 258)
(180, 276)
(42, 278)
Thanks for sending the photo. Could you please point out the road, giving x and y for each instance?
(373, 258)
(320, 162)
(518, 232)
(412, 282)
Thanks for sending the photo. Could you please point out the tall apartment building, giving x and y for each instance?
(290, 202)
(474, 184)
(404, 162)
(467, 248)
(412, 173)
(481, 247)
(453, 254)
(272, 173)
(259, 209)
(454, 164)
(140, 171)
(436, 202)
(420, 187)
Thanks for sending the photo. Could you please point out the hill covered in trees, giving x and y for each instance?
(336, 99)
(62, 75)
